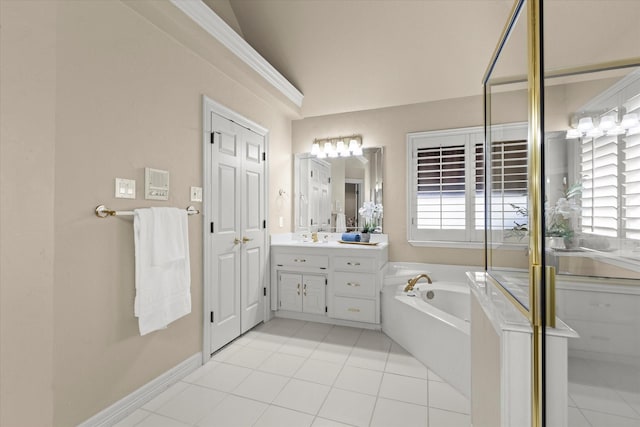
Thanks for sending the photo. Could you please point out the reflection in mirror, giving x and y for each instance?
(329, 192)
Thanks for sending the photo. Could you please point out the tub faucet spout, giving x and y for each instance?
(412, 282)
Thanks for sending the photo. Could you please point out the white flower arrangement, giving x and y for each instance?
(371, 212)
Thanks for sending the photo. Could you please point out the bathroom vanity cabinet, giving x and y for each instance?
(327, 282)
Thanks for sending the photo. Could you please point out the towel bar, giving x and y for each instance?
(103, 212)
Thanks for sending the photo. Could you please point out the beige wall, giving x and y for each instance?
(27, 152)
(92, 91)
(388, 127)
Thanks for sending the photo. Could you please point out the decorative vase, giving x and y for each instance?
(571, 242)
(364, 237)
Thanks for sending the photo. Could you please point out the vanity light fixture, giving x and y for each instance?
(607, 124)
(334, 147)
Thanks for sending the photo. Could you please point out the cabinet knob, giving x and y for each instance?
(246, 239)
(355, 285)
(237, 241)
(355, 310)
(353, 263)
(298, 288)
(300, 260)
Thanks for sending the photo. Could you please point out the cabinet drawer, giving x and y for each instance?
(598, 306)
(360, 310)
(356, 284)
(354, 264)
(301, 260)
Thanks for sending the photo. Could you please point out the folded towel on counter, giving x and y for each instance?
(350, 237)
(163, 273)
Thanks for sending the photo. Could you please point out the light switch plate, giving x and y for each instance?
(196, 194)
(125, 188)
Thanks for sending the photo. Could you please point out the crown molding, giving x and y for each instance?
(209, 21)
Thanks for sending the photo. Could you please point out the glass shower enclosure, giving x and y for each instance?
(562, 210)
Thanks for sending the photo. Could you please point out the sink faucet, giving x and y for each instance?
(412, 282)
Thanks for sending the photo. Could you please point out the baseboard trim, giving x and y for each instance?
(125, 406)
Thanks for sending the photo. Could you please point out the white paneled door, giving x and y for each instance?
(237, 230)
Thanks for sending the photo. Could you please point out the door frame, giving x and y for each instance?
(210, 106)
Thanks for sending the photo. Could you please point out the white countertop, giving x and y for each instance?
(332, 241)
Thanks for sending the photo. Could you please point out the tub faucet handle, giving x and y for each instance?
(412, 282)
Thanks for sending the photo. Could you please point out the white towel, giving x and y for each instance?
(163, 273)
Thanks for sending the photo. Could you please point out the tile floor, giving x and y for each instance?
(603, 394)
(289, 373)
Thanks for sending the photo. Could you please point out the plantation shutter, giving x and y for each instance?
(440, 189)
(599, 170)
(631, 187)
(509, 184)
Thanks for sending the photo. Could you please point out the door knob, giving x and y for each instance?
(236, 241)
(246, 239)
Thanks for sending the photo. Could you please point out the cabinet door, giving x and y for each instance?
(314, 293)
(290, 291)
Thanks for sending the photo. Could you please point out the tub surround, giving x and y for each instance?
(436, 336)
(327, 281)
(501, 361)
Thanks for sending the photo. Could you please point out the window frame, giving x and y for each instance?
(472, 236)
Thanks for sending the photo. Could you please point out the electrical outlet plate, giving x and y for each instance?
(125, 188)
(196, 194)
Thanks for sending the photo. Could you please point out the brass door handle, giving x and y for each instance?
(236, 241)
(298, 288)
(304, 292)
(246, 239)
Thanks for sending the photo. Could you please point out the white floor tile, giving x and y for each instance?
(282, 364)
(234, 411)
(226, 352)
(249, 357)
(302, 396)
(192, 404)
(133, 419)
(318, 371)
(359, 380)
(401, 362)
(155, 420)
(348, 407)
(267, 341)
(261, 386)
(314, 331)
(374, 340)
(633, 399)
(405, 389)
(600, 419)
(165, 396)
(444, 396)
(368, 359)
(576, 419)
(299, 347)
(442, 418)
(343, 335)
(275, 416)
(331, 352)
(600, 399)
(323, 422)
(224, 377)
(200, 372)
(434, 377)
(393, 413)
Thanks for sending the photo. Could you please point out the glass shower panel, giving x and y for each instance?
(506, 111)
(592, 201)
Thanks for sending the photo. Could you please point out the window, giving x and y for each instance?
(610, 171)
(446, 183)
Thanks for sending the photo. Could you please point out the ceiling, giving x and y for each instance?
(357, 55)
(351, 55)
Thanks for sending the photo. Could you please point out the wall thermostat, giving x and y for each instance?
(156, 184)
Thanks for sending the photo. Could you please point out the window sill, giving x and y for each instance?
(465, 245)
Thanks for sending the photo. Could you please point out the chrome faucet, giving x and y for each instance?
(412, 282)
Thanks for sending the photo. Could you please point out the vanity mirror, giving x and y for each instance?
(328, 192)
